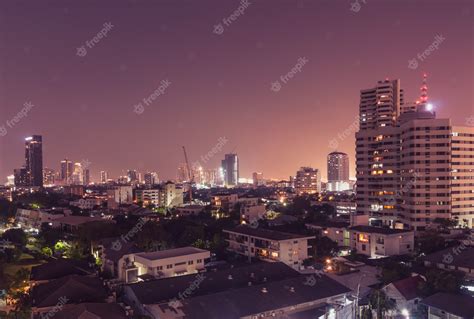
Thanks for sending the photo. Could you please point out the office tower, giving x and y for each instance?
(132, 176)
(21, 177)
(76, 177)
(308, 181)
(104, 177)
(230, 167)
(416, 171)
(34, 160)
(258, 179)
(338, 172)
(171, 195)
(67, 169)
(49, 176)
(151, 178)
(380, 106)
(86, 177)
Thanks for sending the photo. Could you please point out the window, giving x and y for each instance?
(199, 261)
(180, 264)
(159, 267)
(363, 247)
(169, 266)
(190, 262)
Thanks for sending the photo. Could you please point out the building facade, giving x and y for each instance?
(308, 181)
(34, 160)
(338, 172)
(415, 169)
(230, 168)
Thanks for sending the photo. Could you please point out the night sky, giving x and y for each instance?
(220, 83)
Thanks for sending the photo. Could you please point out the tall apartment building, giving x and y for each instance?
(308, 181)
(338, 172)
(104, 177)
(67, 169)
(415, 170)
(230, 167)
(34, 160)
(151, 178)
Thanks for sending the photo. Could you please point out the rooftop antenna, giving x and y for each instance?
(424, 90)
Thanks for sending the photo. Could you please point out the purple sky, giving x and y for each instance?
(220, 84)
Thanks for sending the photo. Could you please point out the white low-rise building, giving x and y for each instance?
(377, 242)
(269, 245)
(161, 264)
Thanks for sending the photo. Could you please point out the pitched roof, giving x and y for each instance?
(116, 248)
(162, 290)
(461, 256)
(408, 287)
(92, 311)
(237, 303)
(459, 305)
(75, 289)
(60, 268)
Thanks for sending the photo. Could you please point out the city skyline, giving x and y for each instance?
(68, 91)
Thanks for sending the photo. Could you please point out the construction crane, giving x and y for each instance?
(190, 176)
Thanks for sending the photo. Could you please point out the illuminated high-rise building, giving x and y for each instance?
(151, 178)
(86, 176)
(104, 177)
(49, 176)
(258, 179)
(308, 181)
(34, 160)
(133, 176)
(415, 171)
(230, 168)
(338, 172)
(67, 169)
(21, 177)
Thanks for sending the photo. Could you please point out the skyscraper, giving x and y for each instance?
(104, 176)
(258, 179)
(338, 172)
(132, 176)
(230, 167)
(308, 181)
(86, 176)
(416, 170)
(67, 169)
(21, 177)
(151, 178)
(34, 160)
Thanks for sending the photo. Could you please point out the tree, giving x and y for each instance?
(379, 302)
(15, 236)
(325, 247)
(393, 271)
(438, 280)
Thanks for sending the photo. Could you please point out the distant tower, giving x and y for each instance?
(34, 160)
(230, 168)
